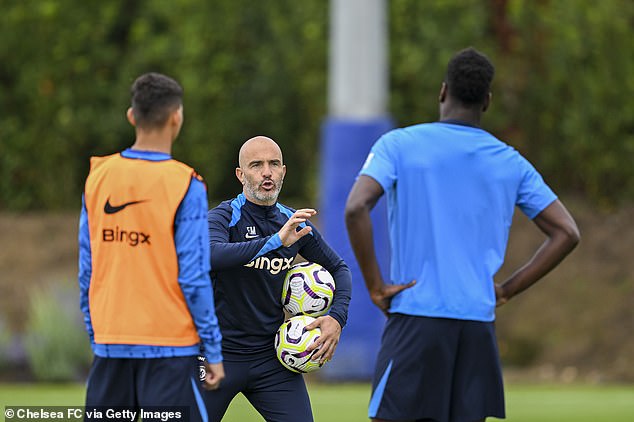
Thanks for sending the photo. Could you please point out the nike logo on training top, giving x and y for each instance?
(251, 234)
(112, 209)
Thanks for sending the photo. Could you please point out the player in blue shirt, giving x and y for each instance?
(451, 191)
(254, 241)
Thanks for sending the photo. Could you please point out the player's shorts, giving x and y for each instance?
(278, 394)
(155, 385)
(438, 369)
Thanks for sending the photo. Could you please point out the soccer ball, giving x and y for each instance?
(291, 341)
(308, 290)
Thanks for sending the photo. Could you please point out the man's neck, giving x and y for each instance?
(153, 141)
(462, 115)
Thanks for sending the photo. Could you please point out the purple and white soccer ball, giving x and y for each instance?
(308, 290)
(291, 341)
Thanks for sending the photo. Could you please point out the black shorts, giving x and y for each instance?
(445, 370)
(278, 394)
(155, 385)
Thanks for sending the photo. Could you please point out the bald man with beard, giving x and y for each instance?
(246, 231)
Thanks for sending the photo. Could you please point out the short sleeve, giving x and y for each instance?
(381, 162)
(533, 194)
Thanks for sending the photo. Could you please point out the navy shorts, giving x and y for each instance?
(153, 385)
(437, 369)
(278, 394)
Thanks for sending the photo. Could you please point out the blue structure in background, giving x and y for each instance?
(357, 98)
(345, 146)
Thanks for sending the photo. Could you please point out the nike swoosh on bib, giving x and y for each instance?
(112, 209)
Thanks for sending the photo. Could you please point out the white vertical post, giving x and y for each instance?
(357, 101)
(358, 83)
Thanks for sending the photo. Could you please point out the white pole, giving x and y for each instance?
(357, 117)
(358, 79)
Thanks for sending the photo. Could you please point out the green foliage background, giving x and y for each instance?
(56, 346)
(562, 94)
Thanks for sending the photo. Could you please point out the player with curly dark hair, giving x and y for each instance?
(469, 77)
(451, 189)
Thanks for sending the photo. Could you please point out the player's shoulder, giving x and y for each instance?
(230, 210)
(404, 134)
(504, 147)
(285, 209)
(429, 130)
(187, 172)
(197, 189)
(222, 210)
(224, 205)
(185, 168)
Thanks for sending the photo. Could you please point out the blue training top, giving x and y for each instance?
(248, 266)
(451, 193)
(193, 276)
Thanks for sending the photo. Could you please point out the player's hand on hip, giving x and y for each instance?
(500, 295)
(215, 374)
(289, 233)
(383, 296)
(327, 341)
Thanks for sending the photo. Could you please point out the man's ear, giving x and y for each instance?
(130, 115)
(487, 102)
(443, 92)
(177, 117)
(240, 175)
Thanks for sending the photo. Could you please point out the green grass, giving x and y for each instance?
(348, 402)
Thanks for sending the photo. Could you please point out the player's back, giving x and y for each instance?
(133, 251)
(451, 190)
(465, 173)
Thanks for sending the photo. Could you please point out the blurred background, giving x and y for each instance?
(562, 96)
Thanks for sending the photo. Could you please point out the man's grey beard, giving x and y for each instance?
(268, 198)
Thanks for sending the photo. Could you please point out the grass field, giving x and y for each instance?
(348, 402)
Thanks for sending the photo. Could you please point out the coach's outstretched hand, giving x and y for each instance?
(327, 341)
(289, 233)
(215, 374)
